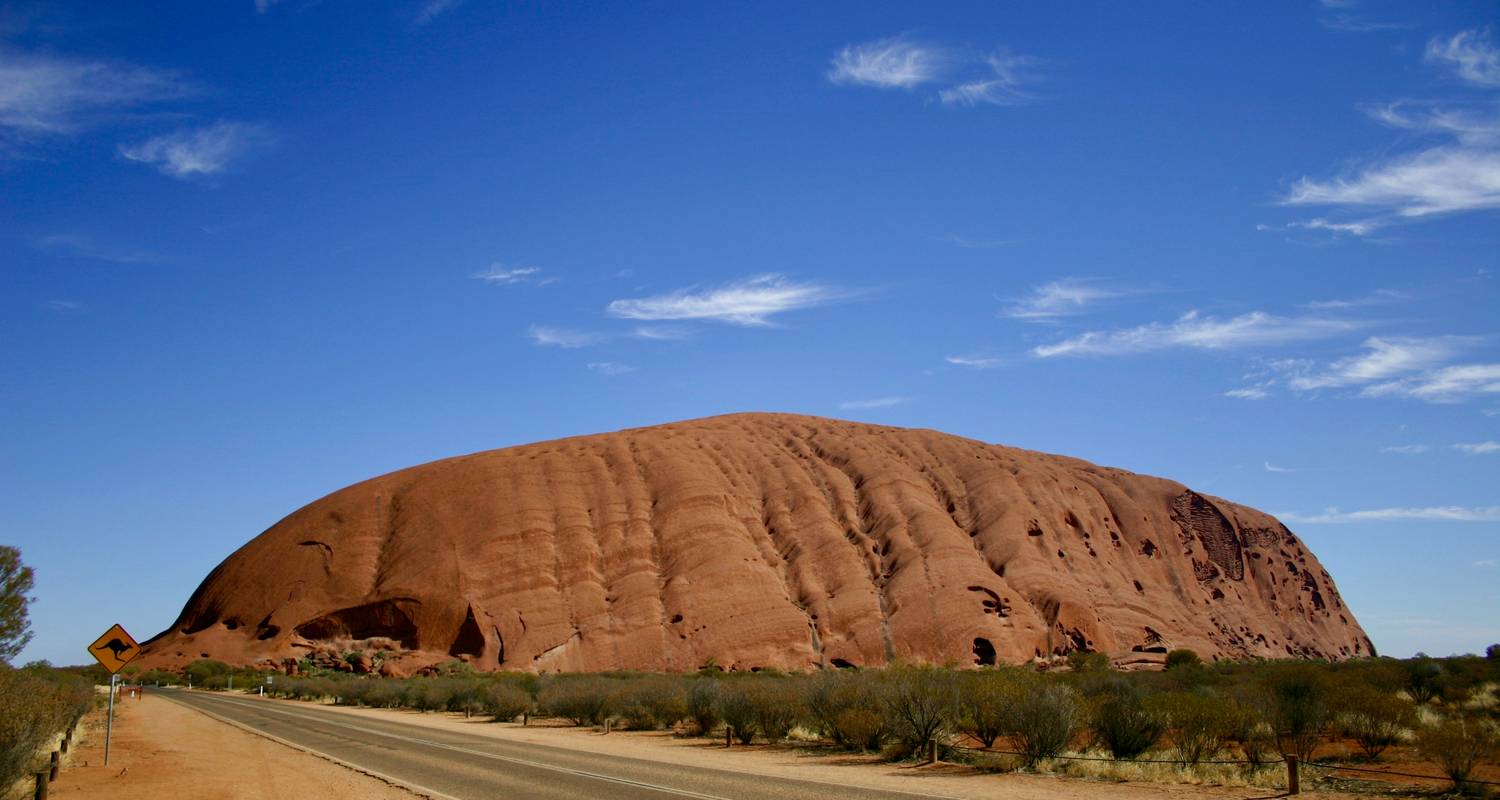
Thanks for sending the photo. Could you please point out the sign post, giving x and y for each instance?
(113, 651)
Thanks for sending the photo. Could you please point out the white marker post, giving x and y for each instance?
(109, 724)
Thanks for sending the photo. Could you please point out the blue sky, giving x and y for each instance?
(252, 252)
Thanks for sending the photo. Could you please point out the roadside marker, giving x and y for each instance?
(113, 650)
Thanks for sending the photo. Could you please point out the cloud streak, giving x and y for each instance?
(567, 338)
(48, 95)
(751, 302)
(199, 152)
(1470, 54)
(1194, 331)
(894, 63)
(1061, 298)
(1333, 516)
(1385, 358)
(501, 275)
(1478, 448)
(1001, 88)
(68, 244)
(975, 362)
(877, 402)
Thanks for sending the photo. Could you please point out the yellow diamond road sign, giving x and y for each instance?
(115, 649)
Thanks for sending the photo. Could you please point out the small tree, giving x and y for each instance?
(920, 702)
(504, 701)
(1492, 652)
(1200, 723)
(703, 704)
(982, 696)
(16, 581)
(737, 709)
(1458, 745)
(1299, 708)
(1042, 718)
(1423, 679)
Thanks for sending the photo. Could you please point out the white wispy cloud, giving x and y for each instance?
(1195, 331)
(1473, 127)
(1448, 384)
(894, 63)
(1384, 358)
(1273, 468)
(1375, 298)
(1060, 298)
(1001, 88)
(748, 302)
(1431, 513)
(1406, 449)
(72, 244)
(1485, 563)
(1440, 180)
(1248, 393)
(563, 337)
(878, 402)
(432, 8)
(610, 367)
(1363, 227)
(976, 244)
(1478, 448)
(975, 362)
(500, 274)
(196, 152)
(62, 305)
(661, 333)
(1469, 53)
(49, 95)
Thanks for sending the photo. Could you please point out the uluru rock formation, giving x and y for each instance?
(763, 540)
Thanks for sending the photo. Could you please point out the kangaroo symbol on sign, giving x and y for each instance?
(116, 646)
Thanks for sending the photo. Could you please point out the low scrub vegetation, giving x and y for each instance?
(36, 703)
(1197, 721)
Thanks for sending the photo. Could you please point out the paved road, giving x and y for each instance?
(468, 767)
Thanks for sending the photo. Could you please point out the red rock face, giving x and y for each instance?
(763, 540)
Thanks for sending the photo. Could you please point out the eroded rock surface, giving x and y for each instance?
(762, 540)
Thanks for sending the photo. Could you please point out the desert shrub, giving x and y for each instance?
(919, 702)
(1457, 744)
(430, 694)
(737, 709)
(35, 704)
(504, 700)
(1492, 652)
(1122, 722)
(982, 696)
(1083, 661)
(860, 729)
(1373, 718)
(654, 702)
(1423, 680)
(1200, 724)
(1182, 657)
(1042, 718)
(384, 693)
(206, 670)
(703, 704)
(585, 700)
(778, 707)
(467, 696)
(1299, 707)
(832, 698)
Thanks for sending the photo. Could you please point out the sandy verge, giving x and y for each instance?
(162, 749)
(840, 769)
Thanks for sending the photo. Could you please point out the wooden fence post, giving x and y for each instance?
(56, 763)
(932, 750)
(41, 785)
(729, 736)
(1293, 782)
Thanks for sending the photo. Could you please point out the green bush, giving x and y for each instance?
(982, 695)
(35, 704)
(1299, 707)
(778, 707)
(658, 701)
(1200, 724)
(831, 697)
(1182, 657)
(860, 729)
(1423, 680)
(703, 704)
(1042, 718)
(1082, 661)
(737, 707)
(582, 700)
(1122, 723)
(1374, 719)
(504, 700)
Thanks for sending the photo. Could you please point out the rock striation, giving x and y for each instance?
(761, 540)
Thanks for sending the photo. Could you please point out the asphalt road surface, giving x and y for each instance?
(468, 767)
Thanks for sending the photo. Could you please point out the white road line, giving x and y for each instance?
(482, 754)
